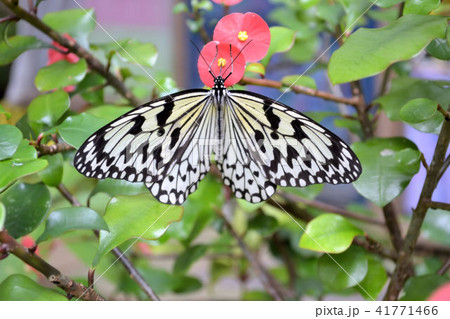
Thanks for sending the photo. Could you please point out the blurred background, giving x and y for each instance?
(153, 21)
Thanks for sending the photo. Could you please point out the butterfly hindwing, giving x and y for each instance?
(153, 144)
(276, 145)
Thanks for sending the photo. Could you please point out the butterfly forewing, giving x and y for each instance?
(154, 144)
(267, 143)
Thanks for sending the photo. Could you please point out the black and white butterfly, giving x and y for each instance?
(256, 142)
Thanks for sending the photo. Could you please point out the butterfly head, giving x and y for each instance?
(219, 82)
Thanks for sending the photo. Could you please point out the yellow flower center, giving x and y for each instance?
(221, 62)
(242, 35)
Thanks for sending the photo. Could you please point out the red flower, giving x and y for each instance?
(227, 2)
(55, 56)
(222, 59)
(239, 29)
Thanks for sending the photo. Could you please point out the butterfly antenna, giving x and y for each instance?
(232, 61)
(206, 62)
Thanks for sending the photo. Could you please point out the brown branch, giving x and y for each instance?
(128, 265)
(52, 149)
(444, 167)
(73, 46)
(9, 19)
(375, 247)
(430, 249)
(299, 90)
(361, 110)
(424, 161)
(444, 268)
(267, 280)
(71, 287)
(331, 209)
(401, 274)
(395, 234)
(444, 112)
(135, 275)
(439, 205)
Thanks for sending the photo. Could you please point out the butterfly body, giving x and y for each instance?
(257, 144)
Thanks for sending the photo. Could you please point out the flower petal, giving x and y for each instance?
(258, 41)
(213, 53)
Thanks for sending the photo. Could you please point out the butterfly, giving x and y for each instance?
(256, 142)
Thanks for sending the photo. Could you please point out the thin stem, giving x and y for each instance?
(299, 90)
(73, 46)
(135, 275)
(445, 267)
(401, 274)
(444, 112)
(390, 216)
(71, 287)
(439, 205)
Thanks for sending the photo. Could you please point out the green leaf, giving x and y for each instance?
(375, 279)
(418, 110)
(188, 258)
(60, 74)
(23, 163)
(282, 39)
(138, 216)
(71, 218)
(2, 216)
(52, 174)
(352, 125)
(48, 108)
(26, 206)
(432, 125)
(439, 48)
(302, 80)
(370, 51)
(16, 45)
(22, 288)
(256, 67)
(420, 6)
(308, 192)
(354, 9)
(109, 112)
(405, 89)
(388, 166)
(329, 233)
(114, 187)
(10, 138)
(420, 288)
(76, 22)
(344, 270)
(76, 129)
(2, 111)
(139, 53)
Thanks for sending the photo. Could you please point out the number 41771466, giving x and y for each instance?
(407, 310)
